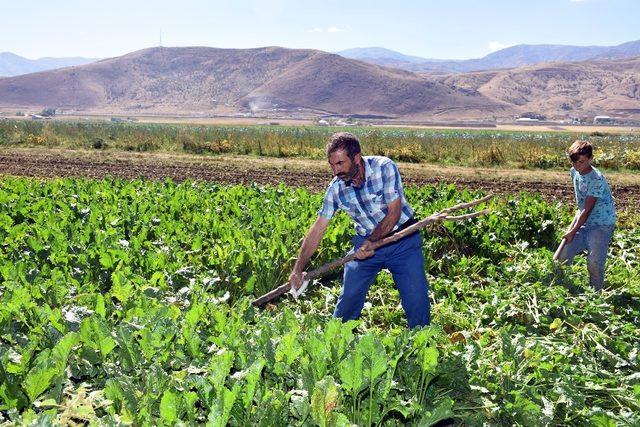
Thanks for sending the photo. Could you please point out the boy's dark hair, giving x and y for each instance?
(344, 141)
(580, 148)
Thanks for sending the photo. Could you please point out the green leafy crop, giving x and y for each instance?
(129, 302)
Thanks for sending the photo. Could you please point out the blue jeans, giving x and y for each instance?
(595, 240)
(405, 261)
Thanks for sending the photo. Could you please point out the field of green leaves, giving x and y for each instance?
(490, 147)
(129, 302)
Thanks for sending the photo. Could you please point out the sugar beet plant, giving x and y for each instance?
(129, 302)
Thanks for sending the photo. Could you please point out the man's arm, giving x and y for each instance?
(394, 209)
(589, 204)
(309, 246)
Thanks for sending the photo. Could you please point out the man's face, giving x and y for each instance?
(342, 166)
(582, 164)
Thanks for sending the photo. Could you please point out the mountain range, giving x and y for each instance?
(284, 82)
(15, 65)
(198, 79)
(510, 57)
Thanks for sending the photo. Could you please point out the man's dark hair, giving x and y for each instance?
(580, 148)
(344, 141)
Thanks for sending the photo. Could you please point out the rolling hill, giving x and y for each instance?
(199, 79)
(283, 82)
(561, 89)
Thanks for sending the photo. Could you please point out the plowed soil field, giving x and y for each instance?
(311, 174)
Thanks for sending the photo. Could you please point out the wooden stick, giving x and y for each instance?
(563, 242)
(431, 219)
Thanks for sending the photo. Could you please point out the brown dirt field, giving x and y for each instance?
(311, 174)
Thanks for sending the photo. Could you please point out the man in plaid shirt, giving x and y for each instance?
(369, 189)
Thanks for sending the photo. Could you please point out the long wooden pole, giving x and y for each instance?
(563, 242)
(431, 219)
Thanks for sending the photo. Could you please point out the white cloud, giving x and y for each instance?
(576, 1)
(493, 46)
(333, 30)
(316, 30)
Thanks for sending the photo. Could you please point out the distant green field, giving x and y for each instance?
(515, 149)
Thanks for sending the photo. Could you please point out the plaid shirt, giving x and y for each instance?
(367, 204)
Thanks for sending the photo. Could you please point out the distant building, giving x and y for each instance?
(603, 120)
(323, 122)
(526, 119)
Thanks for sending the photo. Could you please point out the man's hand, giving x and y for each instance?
(365, 251)
(296, 278)
(309, 246)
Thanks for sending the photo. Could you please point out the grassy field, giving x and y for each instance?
(253, 121)
(451, 147)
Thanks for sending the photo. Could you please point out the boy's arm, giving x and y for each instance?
(589, 204)
(309, 246)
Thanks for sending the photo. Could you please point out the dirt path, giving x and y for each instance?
(311, 174)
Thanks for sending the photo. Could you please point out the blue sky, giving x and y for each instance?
(444, 29)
